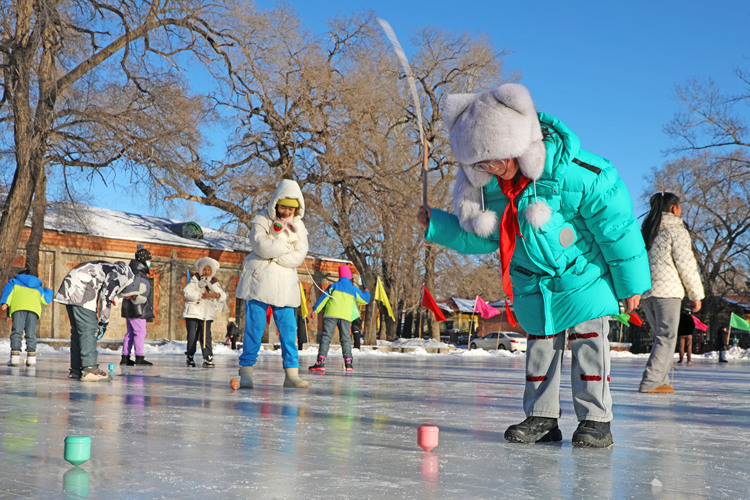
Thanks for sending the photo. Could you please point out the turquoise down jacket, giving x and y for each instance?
(586, 257)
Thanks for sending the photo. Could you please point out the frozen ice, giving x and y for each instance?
(172, 431)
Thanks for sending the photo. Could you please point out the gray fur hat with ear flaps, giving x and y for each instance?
(497, 124)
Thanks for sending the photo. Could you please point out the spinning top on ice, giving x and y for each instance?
(234, 383)
(77, 449)
(427, 437)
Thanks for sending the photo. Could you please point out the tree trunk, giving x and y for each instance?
(38, 211)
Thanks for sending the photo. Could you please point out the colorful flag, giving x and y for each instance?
(635, 319)
(485, 310)
(269, 313)
(383, 297)
(699, 325)
(303, 310)
(430, 304)
(623, 318)
(739, 323)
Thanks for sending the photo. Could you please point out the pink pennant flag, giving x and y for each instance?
(699, 325)
(484, 309)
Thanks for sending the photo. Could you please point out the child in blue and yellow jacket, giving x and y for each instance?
(23, 298)
(340, 301)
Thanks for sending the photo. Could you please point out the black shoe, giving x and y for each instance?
(126, 361)
(723, 361)
(208, 362)
(140, 360)
(591, 434)
(534, 430)
(189, 361)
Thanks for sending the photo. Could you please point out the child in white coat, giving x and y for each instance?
(269, 279)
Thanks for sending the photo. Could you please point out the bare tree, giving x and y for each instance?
(714, 190)
(710, 118)
(84, 85)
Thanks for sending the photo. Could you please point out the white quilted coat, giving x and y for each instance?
(674, 271)
(269, 273)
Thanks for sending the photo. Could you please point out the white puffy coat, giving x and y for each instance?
(674, 270)
(196, 306)
(269, 273)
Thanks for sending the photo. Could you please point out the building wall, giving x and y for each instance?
(60, 252)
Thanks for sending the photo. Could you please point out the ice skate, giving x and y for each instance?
(349, 364)
(31, 358)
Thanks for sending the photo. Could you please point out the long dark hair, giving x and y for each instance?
(660, 202)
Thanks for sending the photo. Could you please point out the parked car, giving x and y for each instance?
(511, 341)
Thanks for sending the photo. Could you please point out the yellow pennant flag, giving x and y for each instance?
(383, 297)
(303, 305)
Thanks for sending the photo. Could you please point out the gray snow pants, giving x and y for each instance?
(589, 372)
(663, 315)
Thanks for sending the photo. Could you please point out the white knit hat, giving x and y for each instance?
(494, 125)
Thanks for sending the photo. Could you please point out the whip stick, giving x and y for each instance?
(414, 97)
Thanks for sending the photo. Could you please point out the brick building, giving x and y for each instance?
(87, 233)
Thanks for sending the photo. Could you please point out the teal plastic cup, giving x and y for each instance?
(77, 449)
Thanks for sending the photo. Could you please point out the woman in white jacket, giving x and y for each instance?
(674, 271)
(204, 296)
(269, 278)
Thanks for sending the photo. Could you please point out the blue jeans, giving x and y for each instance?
(84, 325)
(23, 321)
(255, 323)
(329, 326)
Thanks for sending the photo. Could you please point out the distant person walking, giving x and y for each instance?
(23, 298)
(722, 344)
(674, 272)
(685, 336)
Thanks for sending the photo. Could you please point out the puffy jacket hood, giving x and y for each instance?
(206, 261)
(286, 188)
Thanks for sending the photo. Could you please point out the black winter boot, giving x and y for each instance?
(591, 434)
(534, 430)
(140, 360)
(320, 364)
(126, 361)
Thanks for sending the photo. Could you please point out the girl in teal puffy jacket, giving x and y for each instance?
(570, 247)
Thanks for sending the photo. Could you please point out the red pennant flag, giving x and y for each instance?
(700, 325)
(430, 304)
(634, 319)
(269, 313)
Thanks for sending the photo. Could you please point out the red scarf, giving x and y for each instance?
(509, 228)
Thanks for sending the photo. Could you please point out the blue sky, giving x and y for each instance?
(606, 69)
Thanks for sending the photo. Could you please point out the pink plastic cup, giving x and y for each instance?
(427, 437)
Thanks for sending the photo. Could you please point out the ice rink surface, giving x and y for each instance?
(169, 431)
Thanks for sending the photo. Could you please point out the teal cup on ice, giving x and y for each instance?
(77, 449)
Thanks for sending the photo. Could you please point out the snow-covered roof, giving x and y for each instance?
(464, 305)
(107, 223)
